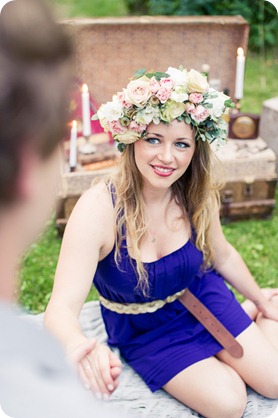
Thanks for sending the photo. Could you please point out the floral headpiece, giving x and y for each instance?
(162, 97)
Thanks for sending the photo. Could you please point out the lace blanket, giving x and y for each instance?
(136, 397)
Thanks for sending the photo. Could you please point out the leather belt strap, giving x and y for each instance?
(211, 323)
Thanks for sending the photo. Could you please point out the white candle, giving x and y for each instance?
(73, 145)
(86, 114)
(240, 65)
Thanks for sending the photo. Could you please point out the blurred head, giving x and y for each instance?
(35, 77)
(34, 85)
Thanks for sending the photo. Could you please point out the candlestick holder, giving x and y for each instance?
(87, 147)
(238, 105)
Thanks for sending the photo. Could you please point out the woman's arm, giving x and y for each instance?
(89, 237)
(231, 266)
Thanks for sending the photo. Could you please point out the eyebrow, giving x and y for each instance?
(161, 136)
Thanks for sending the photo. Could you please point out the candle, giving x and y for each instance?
(86, 114)
(73, 145)
(240, 64)
(205, 69)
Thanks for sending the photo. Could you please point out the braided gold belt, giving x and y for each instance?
(138, 308)
(193, 305)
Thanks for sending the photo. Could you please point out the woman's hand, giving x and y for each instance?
(98, 367)
(269, 309)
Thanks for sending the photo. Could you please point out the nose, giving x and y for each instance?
(165, 154)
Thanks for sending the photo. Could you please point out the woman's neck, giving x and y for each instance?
(153, 197)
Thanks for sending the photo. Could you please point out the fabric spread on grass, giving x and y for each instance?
(134, 395)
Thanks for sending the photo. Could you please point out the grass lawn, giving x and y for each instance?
(257, 241)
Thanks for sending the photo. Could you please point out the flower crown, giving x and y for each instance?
(162, 97)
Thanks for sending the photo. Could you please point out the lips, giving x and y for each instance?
(163, 171)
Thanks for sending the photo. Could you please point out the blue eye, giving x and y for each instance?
(152, 140)
(182, 145)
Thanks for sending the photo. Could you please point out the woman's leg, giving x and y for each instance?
(211, 388)
(259, 365)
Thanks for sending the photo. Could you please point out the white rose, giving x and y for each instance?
(128, 137)
(180, 77)
(172, 110)
(179, 94)
(217, 100)
(138, 91)
(197, 83)
(111, 110)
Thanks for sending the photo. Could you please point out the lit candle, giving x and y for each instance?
(73, 145)
(86, 114)
(240, 64)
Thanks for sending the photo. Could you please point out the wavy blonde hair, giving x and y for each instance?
(196, 192)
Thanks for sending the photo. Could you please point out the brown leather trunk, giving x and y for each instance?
(248, 199)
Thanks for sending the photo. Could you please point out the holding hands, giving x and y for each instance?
(98, 367)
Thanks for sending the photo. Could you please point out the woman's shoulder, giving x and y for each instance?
(95, 203)
(98, 195)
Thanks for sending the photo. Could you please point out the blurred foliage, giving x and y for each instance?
(261, 81)
(91, 8)
(261, 15)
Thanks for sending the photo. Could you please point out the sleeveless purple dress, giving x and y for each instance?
(159, 345)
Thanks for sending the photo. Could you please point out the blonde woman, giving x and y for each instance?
(152, 240)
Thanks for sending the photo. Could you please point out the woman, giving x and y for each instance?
(149, 233)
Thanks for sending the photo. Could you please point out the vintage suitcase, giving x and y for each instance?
(250, 179)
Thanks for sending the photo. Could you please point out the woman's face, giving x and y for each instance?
(165, 153)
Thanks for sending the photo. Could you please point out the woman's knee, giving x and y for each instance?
(233, 407)
(269, 388)
(231, 402)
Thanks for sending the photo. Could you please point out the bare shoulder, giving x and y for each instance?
(96, 199)
(92, 218)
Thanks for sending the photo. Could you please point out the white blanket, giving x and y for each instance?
(134, 395)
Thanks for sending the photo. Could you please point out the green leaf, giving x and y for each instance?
(208, 105)
(158, 75)
(208, 135)
(187, 120)
(229, 103)
(121, 146)
(95, 117)
(139, 73)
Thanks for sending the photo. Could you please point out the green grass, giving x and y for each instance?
(38, 269)
(89, 8)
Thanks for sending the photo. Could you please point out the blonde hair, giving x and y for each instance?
(196, 192)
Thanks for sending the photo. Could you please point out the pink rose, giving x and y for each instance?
(136, 127)
(122, 98)
(154, 85)
(163, 94)
(200, 113)
(195, 98)
(167, 83)
(138, 91)
(115, 127)
(190, 108)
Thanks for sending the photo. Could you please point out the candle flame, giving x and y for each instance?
(240, 52)
(84, 88)
(74, 124)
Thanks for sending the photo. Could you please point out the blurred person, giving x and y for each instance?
(152, 242)
(35, 78)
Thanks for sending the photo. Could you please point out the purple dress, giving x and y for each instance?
(159, 345)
